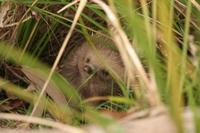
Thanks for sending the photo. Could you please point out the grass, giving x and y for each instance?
(153, 38)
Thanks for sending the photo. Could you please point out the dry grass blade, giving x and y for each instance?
(68, 5)
(36, 120)
(129, 55)
(16, 23)
(195, 4)
(38, 80)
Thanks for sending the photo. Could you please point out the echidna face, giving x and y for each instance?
(86, 70)
(93, 64)
(95, 75)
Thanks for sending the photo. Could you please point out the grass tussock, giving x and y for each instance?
(158, 43)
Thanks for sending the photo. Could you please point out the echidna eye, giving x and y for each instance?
(87, 60)
(88, 70)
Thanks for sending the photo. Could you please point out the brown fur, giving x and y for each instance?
(85, 70)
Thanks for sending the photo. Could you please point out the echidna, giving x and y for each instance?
(85, 69)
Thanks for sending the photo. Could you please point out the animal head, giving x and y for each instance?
(88, 69)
